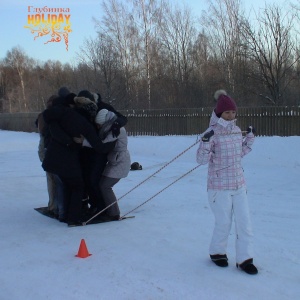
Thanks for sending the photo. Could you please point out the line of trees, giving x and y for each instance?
(151, 54)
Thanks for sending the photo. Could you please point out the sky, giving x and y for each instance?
(14, 16)
(161, 254)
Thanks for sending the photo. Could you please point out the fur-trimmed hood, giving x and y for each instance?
(86, 107)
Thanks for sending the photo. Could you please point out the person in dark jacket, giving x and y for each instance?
(63, 159)
(88, 109)
(93, 163)
(54, 185)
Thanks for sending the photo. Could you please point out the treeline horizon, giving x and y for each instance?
(149, 54)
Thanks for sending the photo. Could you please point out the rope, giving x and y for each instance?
(84, 223)
(190, 171)
(159, 170)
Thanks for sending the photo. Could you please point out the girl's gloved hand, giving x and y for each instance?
(251, 129)
(206, 137)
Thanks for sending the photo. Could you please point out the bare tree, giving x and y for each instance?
(222, 26)
(20, 62)
(178, 36)
(147, 14)
(3, 80)
(118, 24)
(4, 83)
(272, 51)
(102, 57)
(205, 72)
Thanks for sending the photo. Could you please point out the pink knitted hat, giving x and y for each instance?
(224, 102)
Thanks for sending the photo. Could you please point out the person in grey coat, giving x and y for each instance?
(118, 164)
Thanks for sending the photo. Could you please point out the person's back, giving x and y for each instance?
(63, 159)
(119, 161)
(118, 165)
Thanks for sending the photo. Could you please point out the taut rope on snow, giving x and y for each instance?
(104, 209)
(159, 169)
(190, 171)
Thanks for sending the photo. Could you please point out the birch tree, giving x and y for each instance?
(147, 14)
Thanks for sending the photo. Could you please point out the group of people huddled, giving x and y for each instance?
(83, 149)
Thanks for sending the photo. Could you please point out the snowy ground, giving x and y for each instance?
(161, 254)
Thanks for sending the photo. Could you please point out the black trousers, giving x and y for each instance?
(93, 165)
(74, 191)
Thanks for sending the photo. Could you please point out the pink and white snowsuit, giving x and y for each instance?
(226, 185)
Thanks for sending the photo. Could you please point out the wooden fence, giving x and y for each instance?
(268, 121)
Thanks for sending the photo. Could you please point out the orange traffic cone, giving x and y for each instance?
(83, 251)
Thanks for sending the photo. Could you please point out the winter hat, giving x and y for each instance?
(103, 116)
(224, 102)
(86, 94)
(63, 91)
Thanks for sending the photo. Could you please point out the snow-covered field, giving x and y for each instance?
(161, 254)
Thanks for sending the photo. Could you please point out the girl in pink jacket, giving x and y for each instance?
(222, 146)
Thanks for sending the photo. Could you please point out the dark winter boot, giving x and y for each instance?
(220, 260)
(248, 267)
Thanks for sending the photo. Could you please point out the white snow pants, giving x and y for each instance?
(224, 204)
